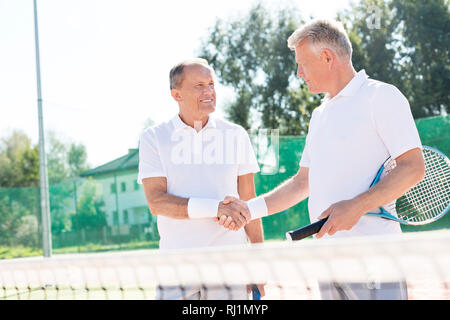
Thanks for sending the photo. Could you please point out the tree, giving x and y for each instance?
(409, 48)
(372, 32)
(19, 175)
(18, 224)
(89, 209)
(56, 158)
(77, 159)
(425, 27)
(251, 56)
(65, 158)
(19, 161)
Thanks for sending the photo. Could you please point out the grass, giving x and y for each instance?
(96, 247)
(22, 252)
(19, 252)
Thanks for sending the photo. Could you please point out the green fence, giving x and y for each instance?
(88, 215)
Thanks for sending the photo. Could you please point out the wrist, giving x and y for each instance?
(257, 207)
(358, 206)
(202, 208)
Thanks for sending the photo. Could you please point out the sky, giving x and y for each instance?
(105, 64)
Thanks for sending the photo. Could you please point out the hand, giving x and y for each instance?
(342, 215)
(233, 213)
(260, 287)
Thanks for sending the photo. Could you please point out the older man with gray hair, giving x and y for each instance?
(187, 165)
(360, 123)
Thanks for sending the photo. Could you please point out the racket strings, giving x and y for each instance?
(431, 196)
(413, 206)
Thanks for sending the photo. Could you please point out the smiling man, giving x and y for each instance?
(188, 165)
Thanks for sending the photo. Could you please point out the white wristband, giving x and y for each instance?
(257, 207)
(202, 208)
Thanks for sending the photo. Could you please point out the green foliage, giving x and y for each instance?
(375, 46)
(18, 219)
(19, 161)
(56, 159)
(62, 197)
(19, 172)
(425, 27)
(64, 159)
(89, 213)
(409, 49)
(77, 159)
(251, 56)
(9, 221)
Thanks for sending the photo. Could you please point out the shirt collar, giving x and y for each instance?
(178, 124)
(352, 87)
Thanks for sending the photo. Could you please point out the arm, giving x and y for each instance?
(345, 214)
(160, 202)
(246, 190)
(289, 193)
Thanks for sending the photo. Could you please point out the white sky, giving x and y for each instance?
(105, 64)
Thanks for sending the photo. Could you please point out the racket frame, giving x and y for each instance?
(385, 214)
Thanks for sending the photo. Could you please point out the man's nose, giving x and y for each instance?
(208, 90)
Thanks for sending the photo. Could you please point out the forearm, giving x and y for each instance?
(288, 194)
(254, 231)
(393, 186)
(168, 205)
(246, 190)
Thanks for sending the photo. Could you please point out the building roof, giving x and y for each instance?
(124, 163)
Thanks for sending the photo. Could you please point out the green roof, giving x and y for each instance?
(126, 162)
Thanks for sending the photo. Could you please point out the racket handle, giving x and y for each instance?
(307, 231)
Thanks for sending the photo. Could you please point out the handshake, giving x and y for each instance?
(233, 213)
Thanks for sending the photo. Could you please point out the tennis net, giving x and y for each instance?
(290, 270)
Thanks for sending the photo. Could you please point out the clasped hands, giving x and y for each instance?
(233, 213)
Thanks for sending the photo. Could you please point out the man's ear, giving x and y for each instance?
(176, 95)
(328, 57)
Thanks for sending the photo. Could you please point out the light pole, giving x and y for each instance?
(45, 201)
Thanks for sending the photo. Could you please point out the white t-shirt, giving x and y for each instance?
(202, 165)
(350, 136)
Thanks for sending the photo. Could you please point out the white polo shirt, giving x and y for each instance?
(349, 138)
(204, 164)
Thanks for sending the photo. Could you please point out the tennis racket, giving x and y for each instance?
(424, 203)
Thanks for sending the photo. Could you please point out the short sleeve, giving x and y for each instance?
(394, 121)
(305, 160)
(150, 164)
(247, 159)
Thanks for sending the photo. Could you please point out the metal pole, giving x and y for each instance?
(45, 208)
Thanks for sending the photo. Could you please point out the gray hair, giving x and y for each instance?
(323, 34)
(176, 73)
